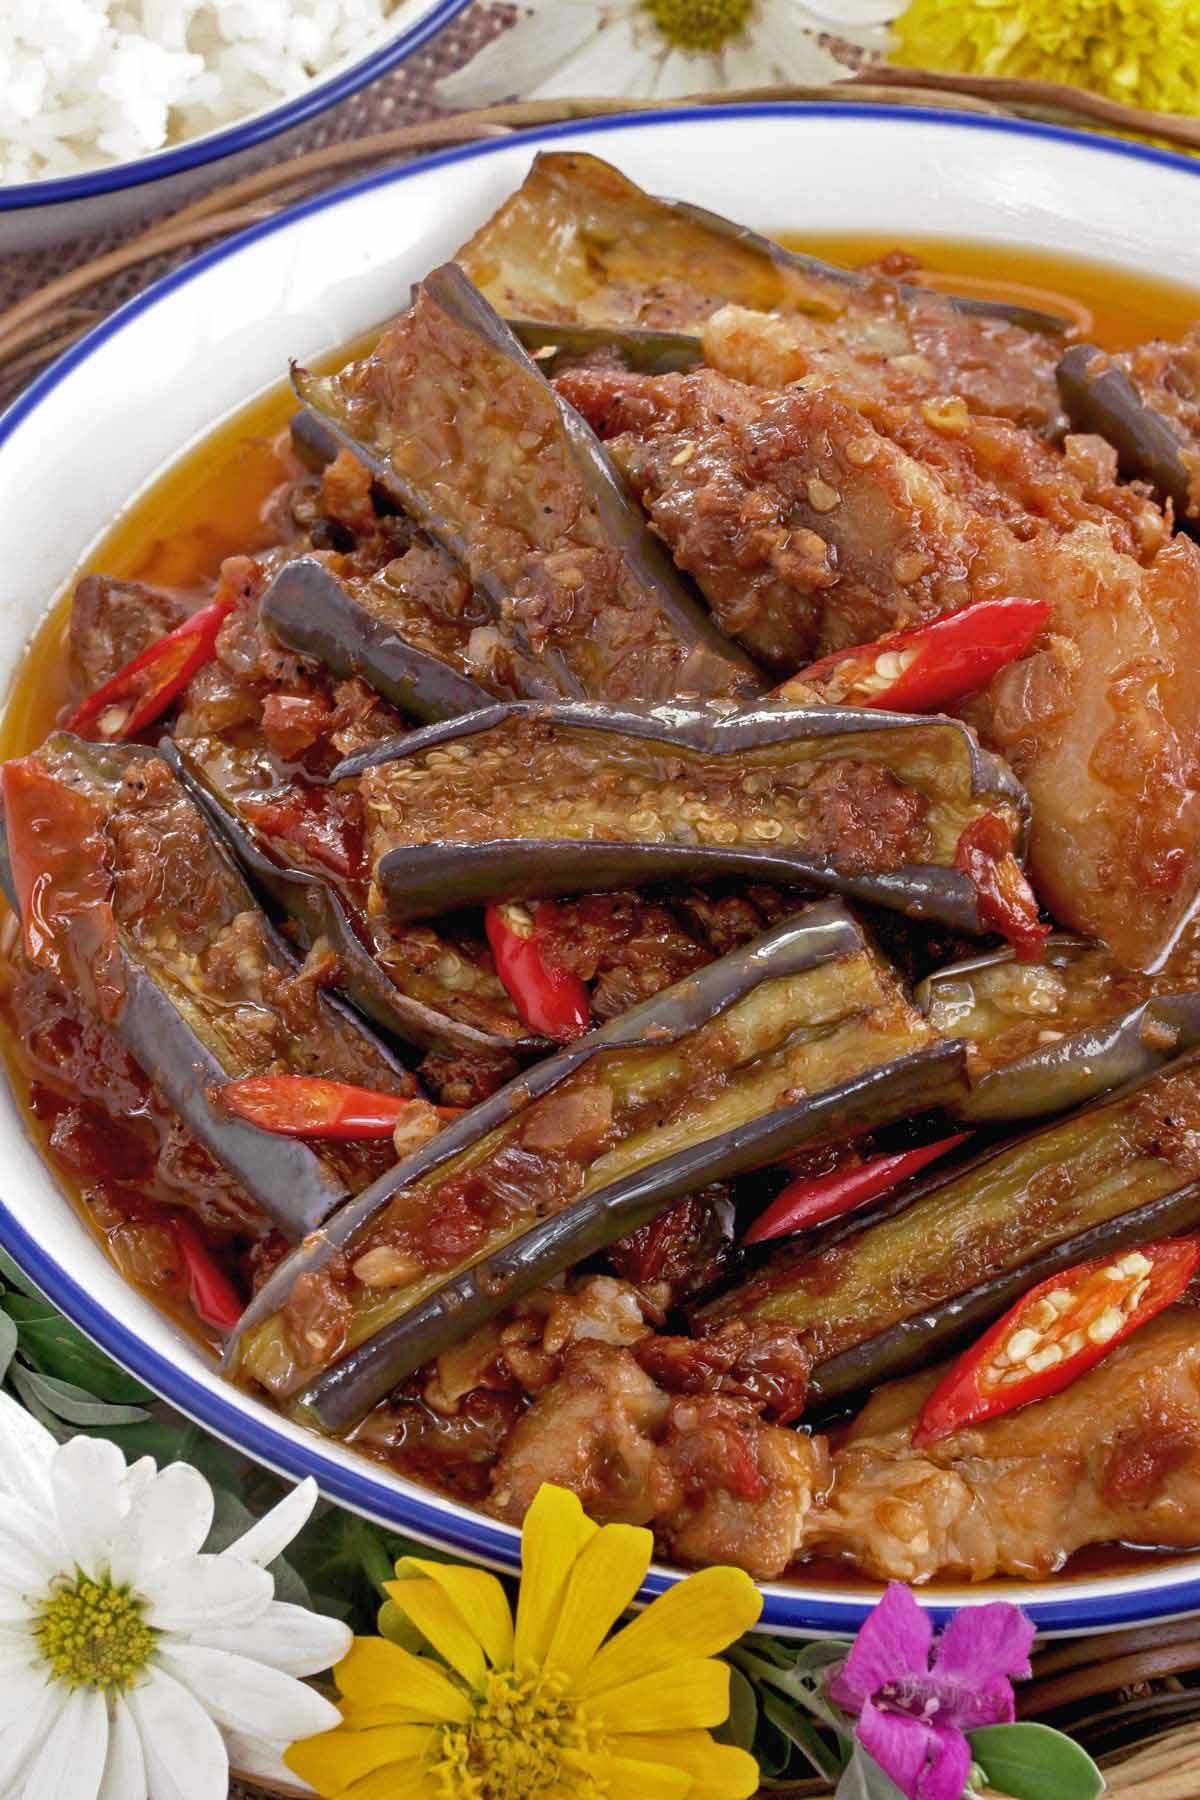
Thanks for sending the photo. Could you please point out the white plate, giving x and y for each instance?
(34, 213)
(161, 373)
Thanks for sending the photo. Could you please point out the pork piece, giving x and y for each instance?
(805, 528)
(1114, 1458)
(114, 621)
(809, 530)
(991, 461)
(713, 1481)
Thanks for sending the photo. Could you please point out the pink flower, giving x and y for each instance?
(913, 1708)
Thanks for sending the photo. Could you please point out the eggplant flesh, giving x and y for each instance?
(520, 800)
(475, 446)
(1056, 1034)
(986, 1231)
(1099, 397)
(364, 629)
(452, 1005)
(340, 1398)
(728, 1050)
(201, 978)
(581, 243)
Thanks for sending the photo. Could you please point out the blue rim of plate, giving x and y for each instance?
(474, 1534)
(230, 140)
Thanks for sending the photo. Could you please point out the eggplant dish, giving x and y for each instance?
(636, 928)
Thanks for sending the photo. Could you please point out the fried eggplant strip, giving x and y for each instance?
(466, 435)
(129, 898)
(730, 1053)
(414, 1005)
(876, 1298)
(1057, 1034)
(521, 801)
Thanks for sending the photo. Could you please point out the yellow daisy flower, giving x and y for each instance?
(543, 1708)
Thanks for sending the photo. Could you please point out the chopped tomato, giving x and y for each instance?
(57, 853)
(1058, 1331)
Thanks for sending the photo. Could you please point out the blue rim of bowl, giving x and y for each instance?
(230, 140)
(474, 1534)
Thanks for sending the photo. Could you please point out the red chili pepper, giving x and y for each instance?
(811, 1200)
(1006, 901)
(549, 999)
(1058, 1331)
(145, 687)
(933, 665)
(214, 1297)
(311, 1106)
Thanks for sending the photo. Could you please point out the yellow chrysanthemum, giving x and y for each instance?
(1140, 52)
(543, 1708)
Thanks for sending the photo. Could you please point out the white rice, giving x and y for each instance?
(84, 83)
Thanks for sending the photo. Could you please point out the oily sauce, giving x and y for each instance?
(213, 504)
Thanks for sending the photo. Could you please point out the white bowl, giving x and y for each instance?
(102, 423)
(33, 213)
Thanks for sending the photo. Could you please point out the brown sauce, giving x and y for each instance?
(211, 504)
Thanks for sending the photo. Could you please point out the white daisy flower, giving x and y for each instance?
(662, 49)
(132, 1665)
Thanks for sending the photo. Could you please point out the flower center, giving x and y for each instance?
(699, 24)
(93, 1634)
(525, 1738)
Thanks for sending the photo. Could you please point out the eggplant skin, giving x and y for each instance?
(621, 619)
(580, 239)
(1099, 397)
(1089, 1056)
(879, 1291)
(414, 878)
(295, 1187)
(343, 1395)
(914, 1343)
(311, 612)
(315, 910)
(823, 933)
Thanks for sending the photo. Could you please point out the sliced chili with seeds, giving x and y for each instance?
(813, 1199)
(1056, 1333)
(135, 696)
(549, 999)
(931, 666)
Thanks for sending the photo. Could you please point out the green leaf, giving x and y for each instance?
(1035, 1762)
(8, 1343)
(69, 1403)
(863, 1779)
(740, 1727)
(58, 1349)
(787, 1718)
(13, 1276)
